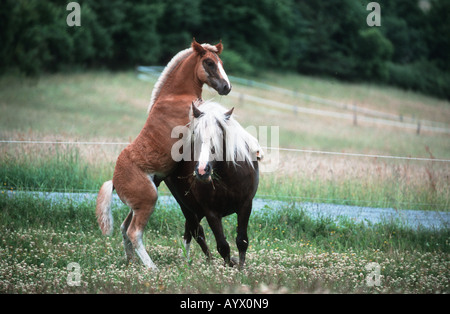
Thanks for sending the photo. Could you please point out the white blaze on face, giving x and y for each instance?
(224, 75)
(204, 157)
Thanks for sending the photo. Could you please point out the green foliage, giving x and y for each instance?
(235, 64)
(328, 38)
(331, 37)
(437, 33)
(374, 52)
(423, 76)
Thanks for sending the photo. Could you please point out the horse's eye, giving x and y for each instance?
(210, 63)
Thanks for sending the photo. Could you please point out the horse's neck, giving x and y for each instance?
(181, 82)
(171, 108)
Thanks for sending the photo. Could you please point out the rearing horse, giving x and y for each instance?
(143, 164)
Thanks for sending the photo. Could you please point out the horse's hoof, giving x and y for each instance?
(234, 261)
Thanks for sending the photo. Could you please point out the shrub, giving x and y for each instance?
(235, 64)
(421, 76)
(374, 51)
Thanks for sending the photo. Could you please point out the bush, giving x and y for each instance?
(374, 51)
(235, 64)
(421, 76)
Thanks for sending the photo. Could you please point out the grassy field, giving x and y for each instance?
(288, 252)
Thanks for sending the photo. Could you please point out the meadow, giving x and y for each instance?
(289, 252)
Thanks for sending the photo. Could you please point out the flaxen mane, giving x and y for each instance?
(240, 145)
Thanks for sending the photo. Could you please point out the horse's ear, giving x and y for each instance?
(219, 47)
(228, 114)
(197, 47)
(195, 111)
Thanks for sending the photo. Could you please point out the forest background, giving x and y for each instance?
(410, 49)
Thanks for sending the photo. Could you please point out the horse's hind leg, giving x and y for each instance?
(128, 246)
(135, 232)
(136, 189)
(194, 229)
(199, 236)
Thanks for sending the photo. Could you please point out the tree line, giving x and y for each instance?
(410, 48)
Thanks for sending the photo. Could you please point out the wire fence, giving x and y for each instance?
(298, 150)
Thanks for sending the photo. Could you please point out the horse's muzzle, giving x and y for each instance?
(225, 89)
(203, 172)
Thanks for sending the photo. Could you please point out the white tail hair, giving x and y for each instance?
(103, 208)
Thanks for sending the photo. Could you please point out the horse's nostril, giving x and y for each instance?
(224, 89)
(203, 169)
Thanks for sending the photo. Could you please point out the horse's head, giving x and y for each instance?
(208, 141)
(210, 68)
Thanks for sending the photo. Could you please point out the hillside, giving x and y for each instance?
(111, 107)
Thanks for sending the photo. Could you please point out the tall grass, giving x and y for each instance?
(360, 182)
(50, 168)
(424, 186)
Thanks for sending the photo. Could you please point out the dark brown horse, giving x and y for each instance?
(147, 160)
(218, 176)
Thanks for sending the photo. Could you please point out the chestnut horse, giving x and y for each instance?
(142, 165)
(218, 176)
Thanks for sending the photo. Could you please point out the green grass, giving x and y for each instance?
(80, 105)
(50, 168)
(289, 252)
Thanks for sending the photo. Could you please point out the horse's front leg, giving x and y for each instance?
(242, 238)
(222, 245)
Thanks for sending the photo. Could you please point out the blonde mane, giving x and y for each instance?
(173, 63)
(240, 145)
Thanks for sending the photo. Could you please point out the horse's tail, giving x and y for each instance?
(103, 208)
